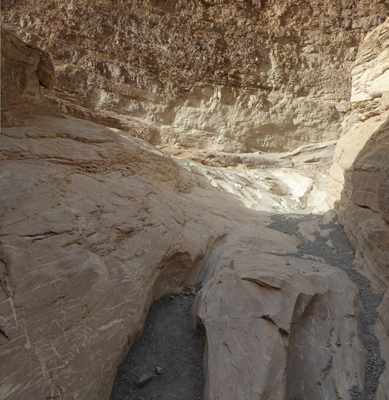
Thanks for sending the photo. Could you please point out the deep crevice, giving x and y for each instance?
(169, 341)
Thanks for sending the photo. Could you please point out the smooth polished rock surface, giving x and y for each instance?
(95, 225)
(279, 326)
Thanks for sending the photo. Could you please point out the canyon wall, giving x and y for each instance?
(359, 185)
(95, 225)
(22, 72)
(360, 174)
(232, 76)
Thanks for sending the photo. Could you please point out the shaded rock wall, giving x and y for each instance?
(232, 76)
(23, 69)
(361, 161)
(360, 174)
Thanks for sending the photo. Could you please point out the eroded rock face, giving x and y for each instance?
(96, 224)
(370, 75)
(360, 174)
(23, 69)
(361, 161)
(279, 327)
(229, 76)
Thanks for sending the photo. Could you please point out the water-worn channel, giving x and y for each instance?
(170, 342)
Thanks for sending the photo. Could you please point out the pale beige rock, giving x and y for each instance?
(360, 176)
(359, 186)
(277, 190)
(228, 76)
(95, 225)
(370, 74)
(273, 324)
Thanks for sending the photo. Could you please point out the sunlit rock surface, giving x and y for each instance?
(235, 76)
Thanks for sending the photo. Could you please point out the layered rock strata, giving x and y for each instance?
(361, 162)
(232, 76)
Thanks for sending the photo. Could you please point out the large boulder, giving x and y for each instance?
(24, 69)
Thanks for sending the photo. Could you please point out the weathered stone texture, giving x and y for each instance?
(23, 69)
(370, 75)
(360, 175)
(93, 229)
(96, 224)
(234, 76)
(360, 172)
(273, 323)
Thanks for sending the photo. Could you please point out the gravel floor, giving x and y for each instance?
(170, 342)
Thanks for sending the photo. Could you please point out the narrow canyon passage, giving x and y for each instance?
(170, 343)
(148, 147)
(166, 362)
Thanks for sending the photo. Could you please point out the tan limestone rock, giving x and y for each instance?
(23, 69)
(94, 227)
(370, 74)
(275, 324)
(228, 76)
(360, 176)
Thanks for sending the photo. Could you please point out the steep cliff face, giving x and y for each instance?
(234, 76)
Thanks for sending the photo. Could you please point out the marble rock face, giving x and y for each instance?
(359, 174)
(359, 184)
(235, 76)
(94, 226)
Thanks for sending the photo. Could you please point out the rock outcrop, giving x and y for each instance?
(361, 161)
(360, 174)
(234, 76)
(23, 69)
(279, 327)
